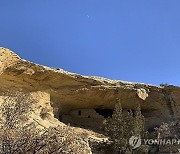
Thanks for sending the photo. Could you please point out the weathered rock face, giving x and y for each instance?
(69, 91)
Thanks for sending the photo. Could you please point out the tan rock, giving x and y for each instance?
(64, 92)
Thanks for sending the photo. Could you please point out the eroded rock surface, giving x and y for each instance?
(61, 93)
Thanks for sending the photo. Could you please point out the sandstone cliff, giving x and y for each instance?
(62, 93)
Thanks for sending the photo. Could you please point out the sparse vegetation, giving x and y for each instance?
(121, 128)
(19, 136)
(167, 130)
(164, 84)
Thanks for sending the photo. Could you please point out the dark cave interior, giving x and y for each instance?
(104, 112)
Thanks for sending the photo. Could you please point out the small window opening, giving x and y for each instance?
(79, 113)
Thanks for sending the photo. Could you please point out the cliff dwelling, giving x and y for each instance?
(87, 118)
(85, 101)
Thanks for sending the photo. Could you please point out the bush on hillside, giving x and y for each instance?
(20, 135)
(120, 128)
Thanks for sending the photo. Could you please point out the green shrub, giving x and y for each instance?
(120, 128)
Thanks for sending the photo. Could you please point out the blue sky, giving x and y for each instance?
(132, 40)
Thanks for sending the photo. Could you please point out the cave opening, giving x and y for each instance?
(104, 112)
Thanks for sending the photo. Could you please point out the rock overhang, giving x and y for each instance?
(69, 91)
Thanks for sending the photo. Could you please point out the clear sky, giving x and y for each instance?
(132, 40)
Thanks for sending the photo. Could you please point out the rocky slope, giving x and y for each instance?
(59, 92)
